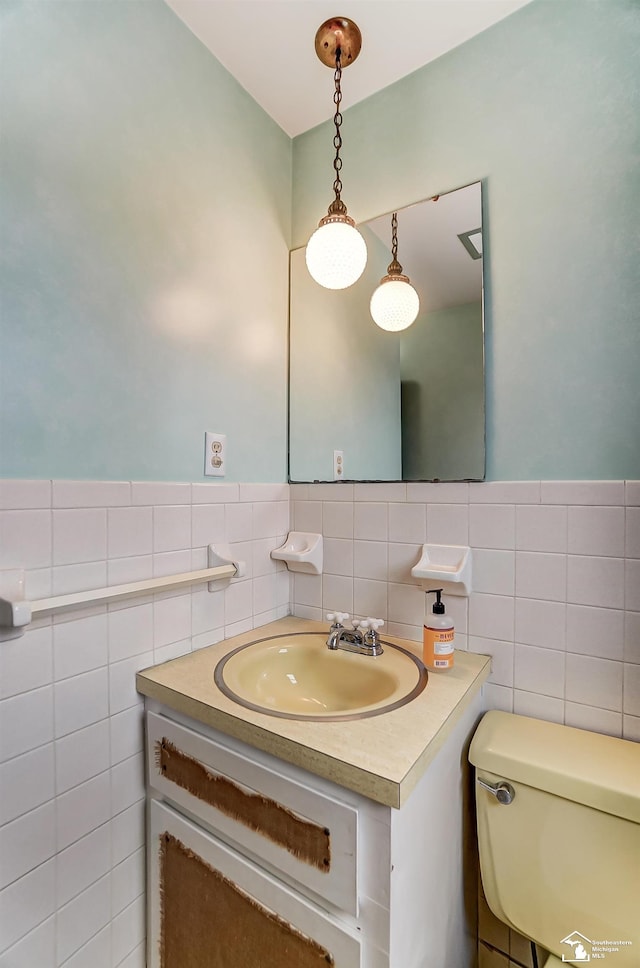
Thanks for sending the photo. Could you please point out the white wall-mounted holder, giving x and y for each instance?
(218, 556)
(16, 612)
(302, 551)
(445, 566)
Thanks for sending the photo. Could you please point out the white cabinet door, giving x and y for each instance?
(212, 907)
(225, 790)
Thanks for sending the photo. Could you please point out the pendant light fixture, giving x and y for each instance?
(336, 252)
(395, 303)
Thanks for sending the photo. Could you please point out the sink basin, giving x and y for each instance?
(296, 676)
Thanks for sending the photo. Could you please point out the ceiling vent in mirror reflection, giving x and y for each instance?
(472, 242)
(405, 406)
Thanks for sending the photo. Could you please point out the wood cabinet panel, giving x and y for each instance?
(265, 812)
(213, 908)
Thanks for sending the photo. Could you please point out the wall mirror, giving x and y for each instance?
(406, 406)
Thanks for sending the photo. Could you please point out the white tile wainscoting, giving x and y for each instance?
(71, 765)
(556, 583)
(556, 601)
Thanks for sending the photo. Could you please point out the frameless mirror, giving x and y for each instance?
(399, 406)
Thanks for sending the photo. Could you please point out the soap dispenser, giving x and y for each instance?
(438, 634)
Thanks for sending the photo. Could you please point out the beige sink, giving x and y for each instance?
(297, 677)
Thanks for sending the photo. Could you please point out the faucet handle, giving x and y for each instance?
(374, 623)
(337, 617)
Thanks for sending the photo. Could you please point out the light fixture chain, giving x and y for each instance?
(337, 120)
(394, 268)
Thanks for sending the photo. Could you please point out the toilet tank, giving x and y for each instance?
(560, 863)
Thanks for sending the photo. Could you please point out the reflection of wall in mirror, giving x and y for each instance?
(344, 386)
(441, 366)
(419, 419)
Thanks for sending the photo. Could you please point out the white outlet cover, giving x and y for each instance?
(215, 454)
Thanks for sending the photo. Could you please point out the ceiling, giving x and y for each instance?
(268, 46)
(430, 250)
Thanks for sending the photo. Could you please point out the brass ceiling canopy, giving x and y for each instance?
(338, 34)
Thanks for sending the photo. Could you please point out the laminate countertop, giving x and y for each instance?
(381, 757)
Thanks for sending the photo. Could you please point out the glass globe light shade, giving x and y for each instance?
(394, 304)
(336, 254)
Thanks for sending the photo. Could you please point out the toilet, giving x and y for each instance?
(558, 814)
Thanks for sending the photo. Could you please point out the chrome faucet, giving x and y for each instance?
(364, 638)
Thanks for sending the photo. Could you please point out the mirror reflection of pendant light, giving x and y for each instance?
(394, 304)
(336, 252)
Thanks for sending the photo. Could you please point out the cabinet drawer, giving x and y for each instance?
(205, 897)
(302, 835)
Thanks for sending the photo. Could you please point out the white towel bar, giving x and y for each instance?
(16, 612)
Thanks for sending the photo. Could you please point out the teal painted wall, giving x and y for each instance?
(441, 365)
(345, 377)
(145, 227)
(545, 108)
(146, 211)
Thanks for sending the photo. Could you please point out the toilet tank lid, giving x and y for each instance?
(600, 771)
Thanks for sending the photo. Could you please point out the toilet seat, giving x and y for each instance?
(553, 962)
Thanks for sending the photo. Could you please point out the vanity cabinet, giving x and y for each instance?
(256, 863)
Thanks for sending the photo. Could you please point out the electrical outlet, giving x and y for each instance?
(215, 454)
(338, 465)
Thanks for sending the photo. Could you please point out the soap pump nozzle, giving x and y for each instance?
(438, 605)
